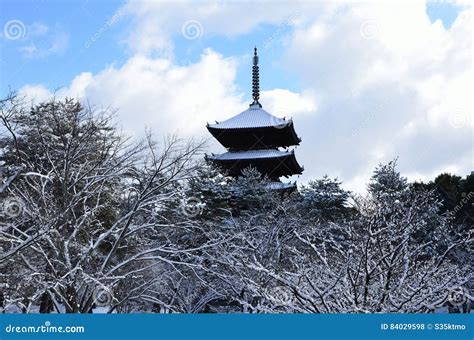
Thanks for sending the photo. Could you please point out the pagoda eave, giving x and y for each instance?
(256, 138)
(282, 187)
(273, 166)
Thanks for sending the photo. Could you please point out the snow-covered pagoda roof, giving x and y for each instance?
(255, 128)
(254, 117)
(273, 163)
(280, 186)
(250, 154)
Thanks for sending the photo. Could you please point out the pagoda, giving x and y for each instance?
(258, 139)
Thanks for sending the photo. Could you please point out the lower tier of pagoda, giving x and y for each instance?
(270, 162)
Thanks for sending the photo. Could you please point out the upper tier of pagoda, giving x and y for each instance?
(255, 128)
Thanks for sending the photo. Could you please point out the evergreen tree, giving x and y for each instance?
(324, 198)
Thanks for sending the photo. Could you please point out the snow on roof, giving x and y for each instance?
(253, 117)
(280, 185)
(251, 154)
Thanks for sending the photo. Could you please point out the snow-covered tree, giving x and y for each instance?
(325, 198)
(93, 217)
(392, 256)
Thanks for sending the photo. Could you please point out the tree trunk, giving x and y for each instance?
(46, 305)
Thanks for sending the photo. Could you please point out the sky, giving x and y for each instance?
(365, 82)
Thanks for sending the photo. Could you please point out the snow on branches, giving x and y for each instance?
(97, 222)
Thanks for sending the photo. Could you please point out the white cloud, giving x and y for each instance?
(42, 42)
(401, 88)
(156, 23)
(37, 29)
(282, 102)
(379, 80)
(160, 95)
(168, 98)
(35, 93)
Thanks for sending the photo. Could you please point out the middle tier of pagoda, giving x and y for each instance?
(253, 138)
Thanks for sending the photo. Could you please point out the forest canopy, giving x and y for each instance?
(94, 221)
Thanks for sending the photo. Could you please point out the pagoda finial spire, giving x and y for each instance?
(255, 79)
